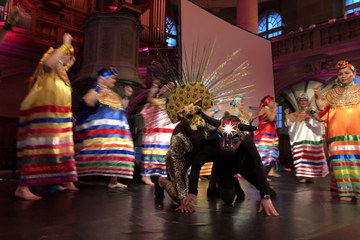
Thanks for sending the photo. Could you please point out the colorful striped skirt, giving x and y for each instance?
(103, 143)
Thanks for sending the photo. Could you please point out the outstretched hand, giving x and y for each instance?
(185, 208)
(267, 206)
(187, 204)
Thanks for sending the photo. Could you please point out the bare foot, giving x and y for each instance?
(24, 193)
(346, 199)
(272, 173)
(147, 181)
(70, 186)
(117, 185)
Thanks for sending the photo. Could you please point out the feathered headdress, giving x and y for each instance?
(195, 81)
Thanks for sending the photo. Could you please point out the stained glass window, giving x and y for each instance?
(270, 25)
(352, 6)
(171, 32)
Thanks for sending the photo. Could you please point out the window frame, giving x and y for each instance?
(350, 8)
(170, 29)
(268, 32)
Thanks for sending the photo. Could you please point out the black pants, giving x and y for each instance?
(247, 162)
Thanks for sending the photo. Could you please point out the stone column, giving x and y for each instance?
(247, 15)
(111, 39)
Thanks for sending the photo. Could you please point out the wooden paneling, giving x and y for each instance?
(8, 129)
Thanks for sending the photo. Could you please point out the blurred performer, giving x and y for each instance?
(306, 141)
(45, 147)
(103, 141)
(157, 133)
(266, 138)
(237, 109)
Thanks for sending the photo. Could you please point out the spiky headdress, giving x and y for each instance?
(195, 81)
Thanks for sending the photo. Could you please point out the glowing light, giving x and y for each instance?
(229, 128)
(112, 7)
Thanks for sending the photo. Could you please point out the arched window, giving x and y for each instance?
(352, 6)
(171, 32)
(270, 25)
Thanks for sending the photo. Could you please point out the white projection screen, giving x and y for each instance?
(201, 27)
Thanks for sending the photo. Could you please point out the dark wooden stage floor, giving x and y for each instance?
(95, 213)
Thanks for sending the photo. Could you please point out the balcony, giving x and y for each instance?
(339, 32)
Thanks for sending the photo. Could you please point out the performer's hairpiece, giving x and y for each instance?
(107, 72)
(236, 100)
(301, 96)
(266, 100)
(344, 64)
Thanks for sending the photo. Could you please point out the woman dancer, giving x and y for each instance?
(45, 147)
(103, 141)
(340, 109)
(306, 140)
(266, 138)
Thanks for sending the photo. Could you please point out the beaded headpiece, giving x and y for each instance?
(302, 96)
(107, 72)
(344, 64)
(185, 95)
(236, 100)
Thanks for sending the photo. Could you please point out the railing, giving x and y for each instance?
(317, 36)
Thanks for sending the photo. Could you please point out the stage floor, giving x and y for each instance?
(307, 211)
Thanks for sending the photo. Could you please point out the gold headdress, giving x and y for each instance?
(185, 95)
(196, 82)
(344, 64)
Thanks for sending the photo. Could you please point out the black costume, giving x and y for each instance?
(245, 160)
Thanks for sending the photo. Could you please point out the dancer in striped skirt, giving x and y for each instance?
(45, 148)
(340, 110)
(103, 141)
(266, 138)
(157, 133)
(306, 141)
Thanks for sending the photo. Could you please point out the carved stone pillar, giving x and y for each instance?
(247, 15)
(111, 39)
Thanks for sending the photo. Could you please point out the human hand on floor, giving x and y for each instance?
(186, 208)
(267, 206)
(189, 199)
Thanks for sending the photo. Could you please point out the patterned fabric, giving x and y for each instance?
(176, 162)
(206, 169)
(45, 148)
(307, 146)
(156, 143)
(156, 140)
(186, 95)
(341, 112)
(103, 142)
(267, 141)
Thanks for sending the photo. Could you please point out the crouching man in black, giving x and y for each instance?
(237, 154)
